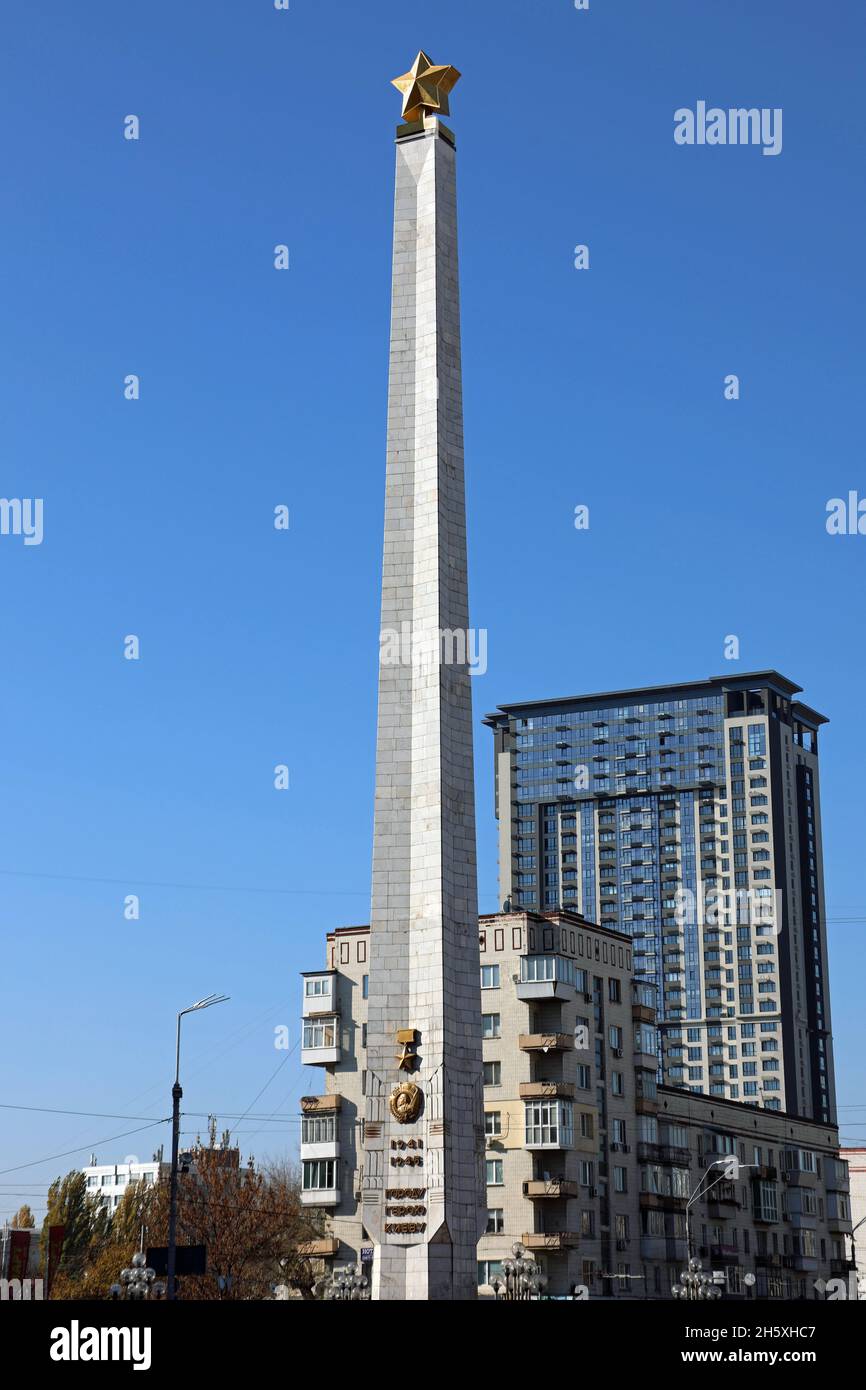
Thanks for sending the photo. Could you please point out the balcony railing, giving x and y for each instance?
(545, 1042)
(551, 1240)
(542, 1189)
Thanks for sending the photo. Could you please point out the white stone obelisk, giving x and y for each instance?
(423, 1201)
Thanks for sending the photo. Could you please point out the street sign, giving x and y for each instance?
(190, 1259)
(366, 1254)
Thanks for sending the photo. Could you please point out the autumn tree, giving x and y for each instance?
(23, 1219)
(251, 1223)
(83, 1217)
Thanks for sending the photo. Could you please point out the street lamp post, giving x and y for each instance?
(694, 1282)
(522, 1277)
(731, 1168)
(344, 1285)
(137, 1282)
(176, 1093)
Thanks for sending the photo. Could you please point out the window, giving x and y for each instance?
(582, 1078)
(488, 1270)
(365, 986)
(614, 991)
(493, 1122)
(495, 1221)
(766, 1201)
(492, 1073)
(318, 1129)
(495, 1170)
(491, 1025)
(490, 977)
(314, 989)
(620, 1180)
(616, 1084)
(549, 1124)
(320, 1033)
(320, 1175)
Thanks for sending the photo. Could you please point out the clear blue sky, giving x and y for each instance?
(604, 387)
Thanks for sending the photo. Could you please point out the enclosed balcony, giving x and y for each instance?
(549, 1124)
(320, 1044)
(319, 1136)
(320, 1182)
(319, 993)
(548, 977)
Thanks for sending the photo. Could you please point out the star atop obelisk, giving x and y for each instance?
(425, 88)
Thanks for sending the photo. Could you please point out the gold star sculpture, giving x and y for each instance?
(425, 87)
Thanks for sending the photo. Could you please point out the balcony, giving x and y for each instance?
(836, 1176)
(550, 1189)
(662, 1201)
(322, 1249)
(546, 1090)
(320, 1182)
(549, 1124)
(320, 1197)
(546, 977)
(321, 1105)
(545, 1042)
(551, 1240)
(669, 1249)
(319, 1136)
(725, 1254)
(320, 1045)
(320, 990)
(798, 1177)
(838, 1225)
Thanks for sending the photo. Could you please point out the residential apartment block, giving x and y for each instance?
(109, 1181)
(591, 1165)
(687, 817)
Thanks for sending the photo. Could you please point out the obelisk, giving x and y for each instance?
(423, 1202)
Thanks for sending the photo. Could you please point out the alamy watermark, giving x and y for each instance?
(738, 125)
(759, 907)
(426, 648)
(22, 516)
(20, 1290)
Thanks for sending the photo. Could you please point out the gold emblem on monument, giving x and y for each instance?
(425, 88)
(407, 1039)
(405, 1102)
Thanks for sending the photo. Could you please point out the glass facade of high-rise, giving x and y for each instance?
(687, 816)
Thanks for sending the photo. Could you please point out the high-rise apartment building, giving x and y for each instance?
(687, 817)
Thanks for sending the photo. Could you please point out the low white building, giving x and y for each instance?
(109, 1181)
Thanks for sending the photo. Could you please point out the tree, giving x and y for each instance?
(250, 1222)
(23, 1219)
(83, 1217)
